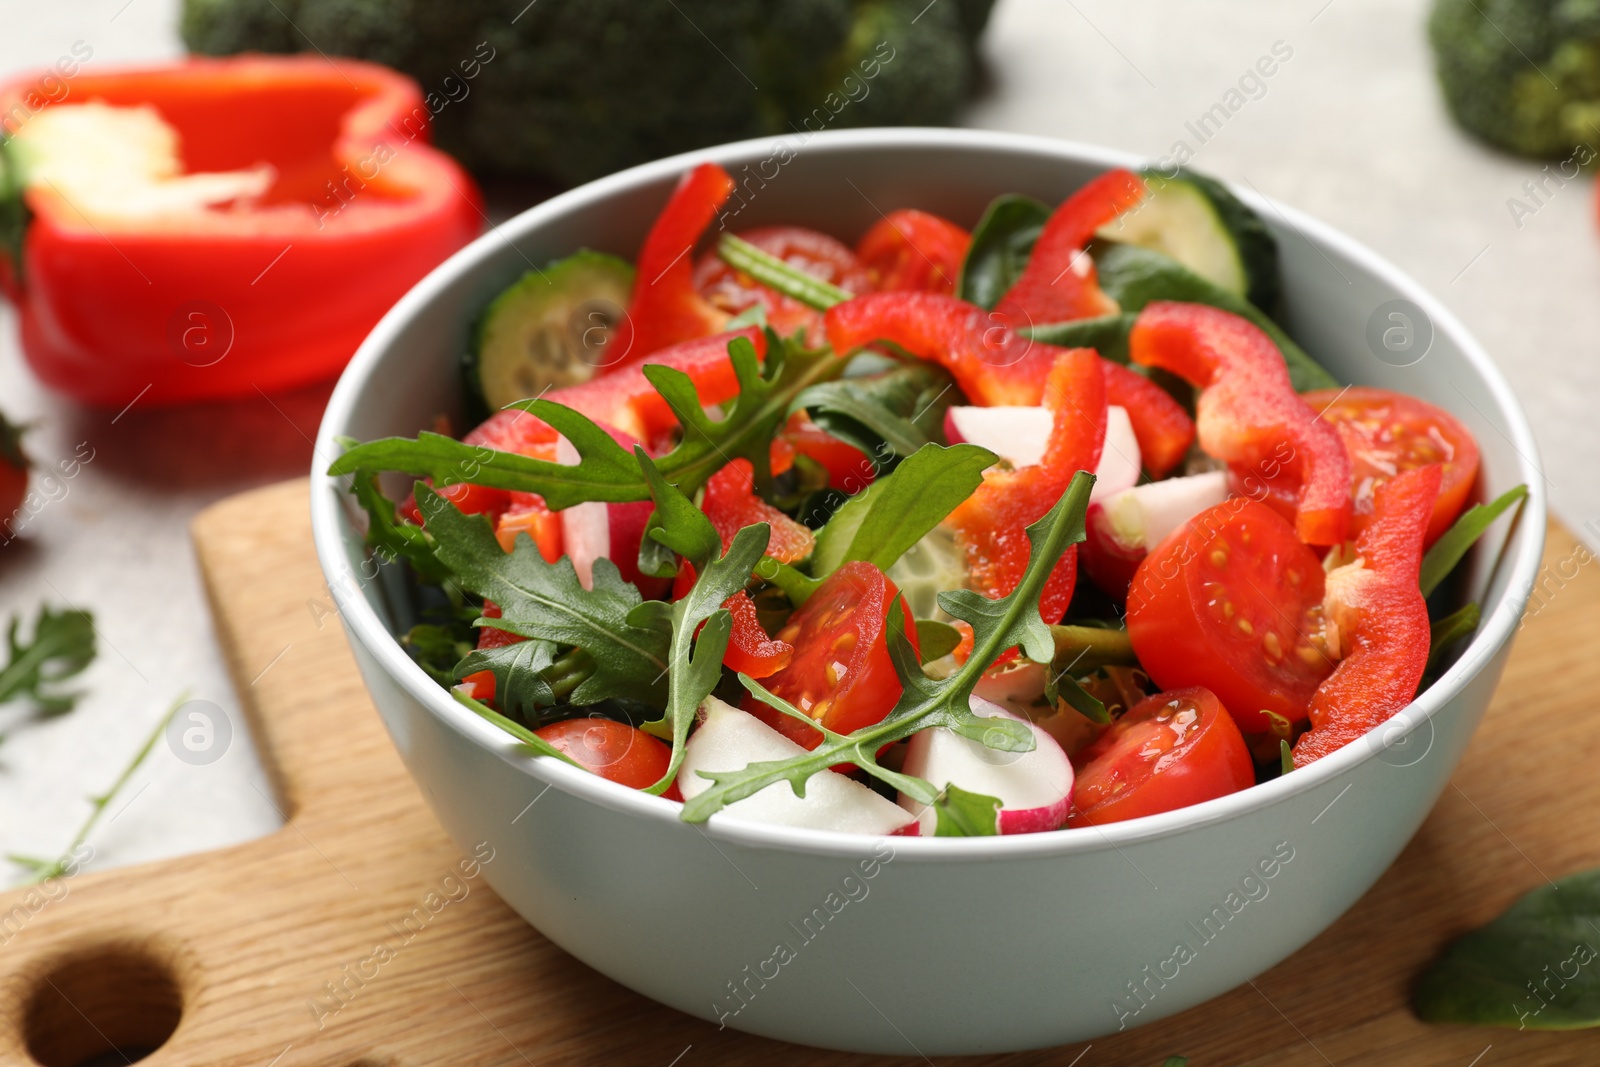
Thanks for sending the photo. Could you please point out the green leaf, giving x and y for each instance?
(1106, 334)
(1447, 631)
(437, 649)
(14, 213)
(959, 813)
(1446, 552)
(1134, 277)
(936, 639)
(1084, 649)
(1285, 756)
(696, 652)
(533, 741)
(61, 647)
(546, 601)
(677, 524)
(389, 539)
(775, 274)
(1001, 244)
(926, 702)
(1176, 1061)
(1064, 686)
(607, 471)
(1532, 968)
(890, 413)
(519, 686)
(886, 518)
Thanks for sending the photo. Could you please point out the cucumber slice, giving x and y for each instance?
(929, 567)
(550, 328)
(1199, 223)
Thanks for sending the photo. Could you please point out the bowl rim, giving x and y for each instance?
(1524, 552)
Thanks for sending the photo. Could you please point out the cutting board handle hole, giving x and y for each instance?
(105, 1004)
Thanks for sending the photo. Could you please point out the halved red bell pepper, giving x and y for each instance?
(665, 308)
(991, 524)
(120, 298)
(1382, 619)
(1160, 425)
(731, 503)
(1059, 284)
(910, 250)
(1248, 412)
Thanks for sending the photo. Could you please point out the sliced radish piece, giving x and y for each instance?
(729, 739)
(1020, 435)
(598, 530)
(1143, 516)
(1034, 788)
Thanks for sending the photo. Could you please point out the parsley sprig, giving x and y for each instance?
(1012, 620)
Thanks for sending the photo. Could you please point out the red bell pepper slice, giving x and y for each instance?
(1382, 619)
(665, 308)
(992, 363)
(1160, 425)
(265, 295)
(991, 523)
(731, 504)
(750, 650)
(1059, 283)
(910, 250)
(1248, 410)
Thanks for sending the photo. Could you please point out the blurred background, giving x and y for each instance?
(1351, 127)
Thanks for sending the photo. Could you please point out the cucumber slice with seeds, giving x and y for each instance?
(1202, 225)
(550, 328)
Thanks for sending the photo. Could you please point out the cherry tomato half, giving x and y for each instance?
(1169, 751)
(614, 750)
(814, 253)
(841, 674)
(1385, 434)
(912, 249)
(1232, 601)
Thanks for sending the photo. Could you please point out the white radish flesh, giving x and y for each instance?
(1020, 435)
(1034, 788)
(1143, 516)
(729, 739)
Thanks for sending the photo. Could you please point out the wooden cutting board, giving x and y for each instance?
(237, 948)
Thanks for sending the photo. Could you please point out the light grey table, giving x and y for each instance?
(1349, 127)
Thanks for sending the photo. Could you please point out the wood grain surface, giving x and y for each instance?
(268, 954)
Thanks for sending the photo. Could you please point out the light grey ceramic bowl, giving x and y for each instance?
(936, 946)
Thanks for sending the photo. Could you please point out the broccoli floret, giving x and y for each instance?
(580, 88)
(1523, 75)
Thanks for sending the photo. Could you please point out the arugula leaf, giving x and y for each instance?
(997, 625)
(539, 745)
(697, 660)
(1134, 277)
(1285, 756)
(1084, 649)
(545, 600)
(890, 413)
(775, 274)
(936, 639)
(62, 646)
(519, 684)
(1106, 334)
(959, 813)
(437, 649)
(1447, 631)
(388, 538)
(1001, 244)
(607, 471)
(1446, 552)
(1061, 685)
(886, 518)
(676, 525)
(1533, 967)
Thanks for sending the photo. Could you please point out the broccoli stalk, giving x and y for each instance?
(1524, 75)
(573, 89)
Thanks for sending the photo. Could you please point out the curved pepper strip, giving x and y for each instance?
(731, 503)
(665, 308)
(202, 303)
(1160, 425)
(1382, 617)
(1058, 284)
(994, 365)
(992, 523)
(1247, 407)
(750, 650)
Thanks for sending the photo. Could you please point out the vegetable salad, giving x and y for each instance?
(1035, 527)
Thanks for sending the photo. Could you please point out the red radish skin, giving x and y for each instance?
(598, 530)
(1034, 788)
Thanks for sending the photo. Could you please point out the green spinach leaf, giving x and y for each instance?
(1446, 552)
(1001, 245)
